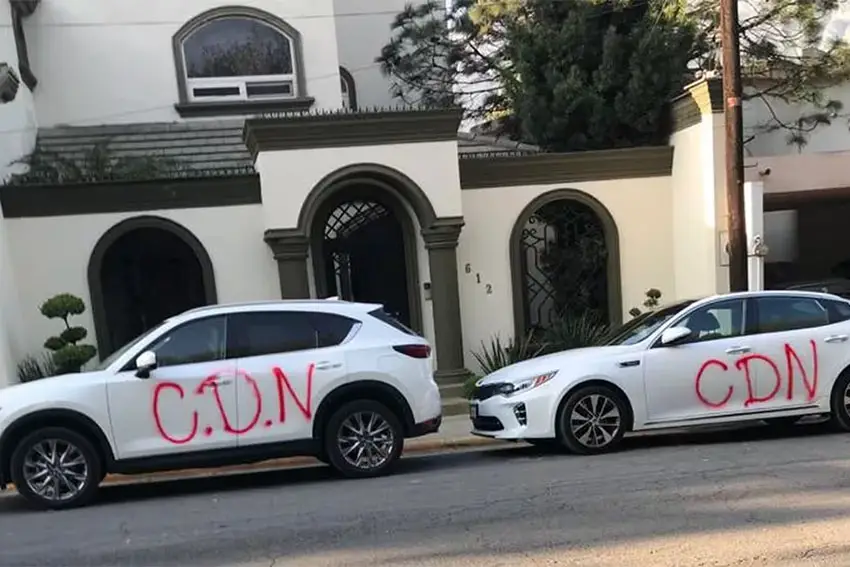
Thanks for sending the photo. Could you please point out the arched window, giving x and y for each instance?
(347, 89)
(234, 54)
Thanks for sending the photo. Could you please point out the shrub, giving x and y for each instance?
(575, 332)
(68, 356)
(497, 355)
(36, 367)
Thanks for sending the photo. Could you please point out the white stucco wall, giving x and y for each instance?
(17, 137)
(699, 209)
(110, 61)
(642, 209)
(288, 176)
(363, 28)
(233, 237)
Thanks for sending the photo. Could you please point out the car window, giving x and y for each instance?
(837, 310)
(776, 314)
(197, 341)
(332, 329)
(636, 330)
(381, 315)
(721, 320)
(270, 332)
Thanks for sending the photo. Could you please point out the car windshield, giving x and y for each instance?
(645, 324)
(120, 352)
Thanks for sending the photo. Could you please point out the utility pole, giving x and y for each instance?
(734, 145)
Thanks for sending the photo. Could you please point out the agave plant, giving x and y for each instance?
(35, 368)
(575, 332)
(498, 355)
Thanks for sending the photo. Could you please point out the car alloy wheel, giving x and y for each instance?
(55, 470)
(592, 420)
(595, 420)
(365, 440)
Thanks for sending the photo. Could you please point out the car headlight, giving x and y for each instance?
(512, 389)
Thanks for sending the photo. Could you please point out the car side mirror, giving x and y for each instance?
(145, 362)
(674, 335)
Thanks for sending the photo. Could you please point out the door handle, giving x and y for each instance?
(327, 365)
(836, 339)
(737, 350)
(223, 382)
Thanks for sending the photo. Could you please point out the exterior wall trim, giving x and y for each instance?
(701, 98)
(345, 129)
(574, 167)
(20, 201)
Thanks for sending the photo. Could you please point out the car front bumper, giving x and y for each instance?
(527, 416)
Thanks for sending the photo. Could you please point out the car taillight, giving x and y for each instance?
(414, 351)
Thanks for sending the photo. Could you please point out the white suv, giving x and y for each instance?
(226, 384)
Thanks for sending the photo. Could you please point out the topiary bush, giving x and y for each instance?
(67, 355)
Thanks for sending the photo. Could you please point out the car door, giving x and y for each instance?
(696, 378)
(187, 401)
(799, 350)
(286, 362)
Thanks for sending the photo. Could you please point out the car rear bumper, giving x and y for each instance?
(426, 427)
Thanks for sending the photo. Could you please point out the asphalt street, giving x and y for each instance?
(751, 497)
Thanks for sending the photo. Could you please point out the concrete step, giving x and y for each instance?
(451, 390)
(455, 406)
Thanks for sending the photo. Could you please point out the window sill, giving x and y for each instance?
(235, 108)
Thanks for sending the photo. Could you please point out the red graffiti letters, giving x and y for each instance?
(156, 393)
(705, 366)
(213, 384)
(748, 367)
(283, 381)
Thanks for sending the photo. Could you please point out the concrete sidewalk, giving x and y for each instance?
(453, 434)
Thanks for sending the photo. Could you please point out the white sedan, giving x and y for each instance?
(770, 355)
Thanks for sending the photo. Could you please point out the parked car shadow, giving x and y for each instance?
(145, 489)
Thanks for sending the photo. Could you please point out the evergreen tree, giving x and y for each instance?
(597, 75)
(435, 53)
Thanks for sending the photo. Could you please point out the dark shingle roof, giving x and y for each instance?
(205, 145)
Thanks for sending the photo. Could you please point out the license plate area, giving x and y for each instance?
(473, 411)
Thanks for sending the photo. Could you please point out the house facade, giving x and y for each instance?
(228, 153)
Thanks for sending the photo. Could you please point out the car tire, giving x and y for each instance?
(839, 417)
(592, 420)
(77, 476)
(350, 425)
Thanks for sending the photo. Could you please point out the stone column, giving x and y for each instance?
(441, 242)
(290, 249)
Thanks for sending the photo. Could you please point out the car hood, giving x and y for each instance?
(47, 388)
(555, 361)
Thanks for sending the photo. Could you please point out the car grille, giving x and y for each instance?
(487, 423)
(484, 392)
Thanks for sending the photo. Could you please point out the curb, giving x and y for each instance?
(435, 446)
(414, 448)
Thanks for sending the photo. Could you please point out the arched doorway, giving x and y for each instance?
(364, 249)
(142, 271)
(564, 261)
(362, 222)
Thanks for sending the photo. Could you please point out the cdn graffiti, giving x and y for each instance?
(715, 370)
(208, 386)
